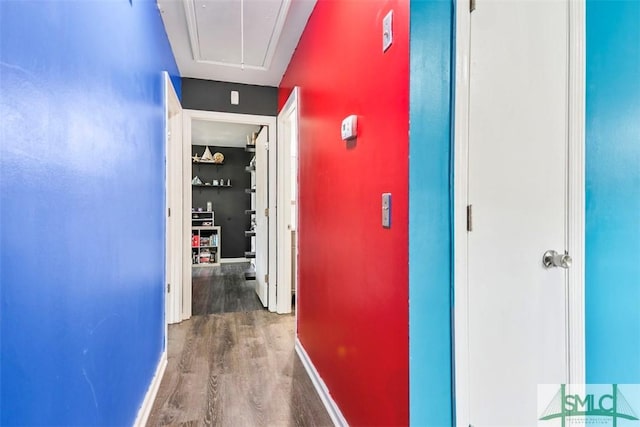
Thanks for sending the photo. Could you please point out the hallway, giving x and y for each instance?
(235, 368)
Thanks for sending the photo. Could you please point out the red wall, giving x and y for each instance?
(353, 274)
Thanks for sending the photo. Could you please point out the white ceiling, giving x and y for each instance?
(220, 133)
(241, 41)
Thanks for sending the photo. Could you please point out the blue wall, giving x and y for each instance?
(81, 214)
(430, 237)
(613, 192)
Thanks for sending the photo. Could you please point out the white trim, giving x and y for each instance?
(461, 191)
(290, 111)
(186, 284)
(233, 260)
(332, 408)
(188, 117)
(152, 392)
(575, 245)
(173, 195)
(576, 199)
(272, 172)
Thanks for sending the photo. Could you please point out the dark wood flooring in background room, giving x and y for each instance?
(236, 369)
(223, 289)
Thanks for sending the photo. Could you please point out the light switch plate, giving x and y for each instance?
(386, 210)
(387, 31)
(235, 97)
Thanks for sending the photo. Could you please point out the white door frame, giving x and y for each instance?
(188, 117)
(576, 184)
(289, 112)
(173, 200)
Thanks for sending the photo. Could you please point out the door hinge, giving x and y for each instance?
(266, 212)
(168, 211)
(469, 217)
(168, 288)
(472, 5)
(266, 145)
(266, 278)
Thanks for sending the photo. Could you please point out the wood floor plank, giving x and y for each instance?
(236, 369)
(223, 289)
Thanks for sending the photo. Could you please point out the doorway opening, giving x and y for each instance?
(227, 200)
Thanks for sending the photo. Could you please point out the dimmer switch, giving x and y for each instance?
(386, 210)
(387, 31)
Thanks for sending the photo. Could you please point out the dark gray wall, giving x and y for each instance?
(209, 95)
(229, 204)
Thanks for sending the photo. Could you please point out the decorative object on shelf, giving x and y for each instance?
(207, 156)
(218, 157)
(251, 139)
(229, 182)
(215, 182)
(196, 181)
(195, 158)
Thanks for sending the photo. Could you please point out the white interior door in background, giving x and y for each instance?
(517, 186)
(262, 218)
(287, 199)
(173, 171)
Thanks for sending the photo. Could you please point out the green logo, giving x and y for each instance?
(606, 407)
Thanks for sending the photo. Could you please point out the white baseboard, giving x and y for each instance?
(232, 260)
(331, 406)
(150, 397)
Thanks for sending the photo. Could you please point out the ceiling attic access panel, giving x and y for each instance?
(237, 33)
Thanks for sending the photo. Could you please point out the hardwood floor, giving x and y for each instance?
(236, 369)
(223, 289)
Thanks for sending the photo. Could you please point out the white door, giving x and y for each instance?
(262, 220)
(517, 312)
(173, 171)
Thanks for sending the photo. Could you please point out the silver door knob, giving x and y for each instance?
(554, 259)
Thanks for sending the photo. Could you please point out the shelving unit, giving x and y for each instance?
(206, 162)
(207, 170)
(205, 240)
(205, 235)
(212, 186)
(251, 254)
